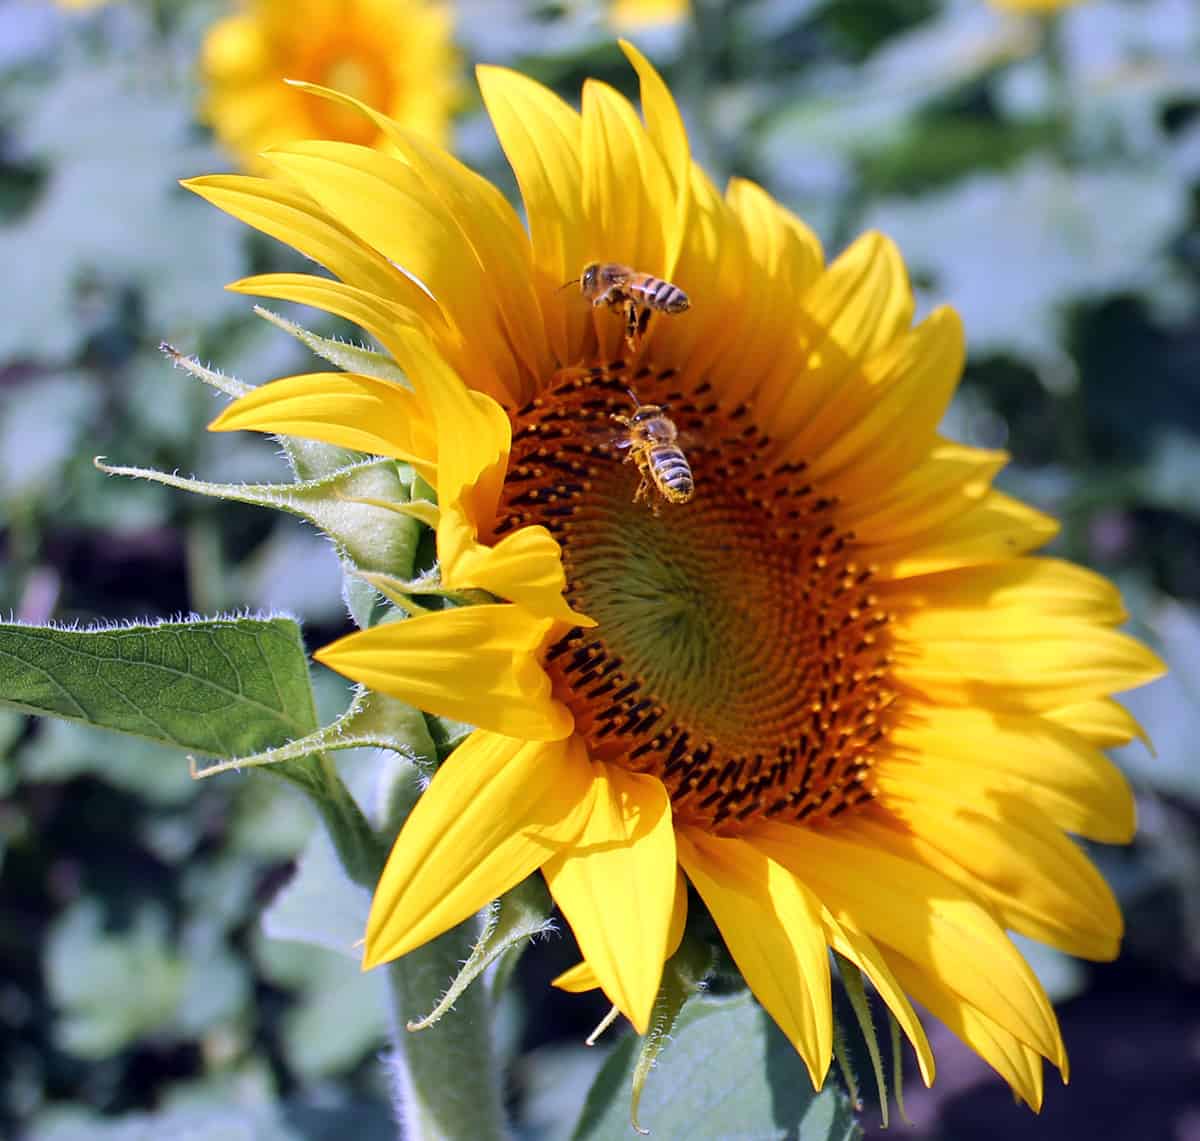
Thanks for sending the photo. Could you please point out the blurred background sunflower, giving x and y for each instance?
(1039, 171)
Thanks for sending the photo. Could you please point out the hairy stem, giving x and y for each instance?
(445, 1080)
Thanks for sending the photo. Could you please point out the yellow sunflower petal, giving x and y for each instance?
(582, 977)
(488, 223)
(286, 213)
(627, 194)
(980, 753)
(1105, 723)
(772, 926)
(1006, 1053)
(1024, 662)
(474, 433)
(1040, 586)
(476, 664)
(919, 912)
(616, 886)
(524, 567)
(946, 483)
(380, 317)
(784, 248)
(852, 944)
(915, 380)
(493, 813)
(665, 127)
(360, 412)
(1035, 879)
(863, 299)
(998, 527)
(383, 200)
(776, 258)
(714, 258)
(540, 135)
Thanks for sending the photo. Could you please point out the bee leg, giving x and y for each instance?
(643, 322)
(631, 324)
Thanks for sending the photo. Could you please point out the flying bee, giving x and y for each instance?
(638, 294)
(650, 440)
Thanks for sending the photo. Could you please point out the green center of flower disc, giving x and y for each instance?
(739, 655)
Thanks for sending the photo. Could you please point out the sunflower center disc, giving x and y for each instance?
(740, 655)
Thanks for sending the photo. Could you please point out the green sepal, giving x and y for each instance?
(309, 459)
(349, 505)
(509, 924)
(856, 993)
(898, 1067)
(372, 721)
(228, 385)
(350, 358)
(683, 974)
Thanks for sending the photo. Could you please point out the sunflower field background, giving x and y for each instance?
(1039, 170)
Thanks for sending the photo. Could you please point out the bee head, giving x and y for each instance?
(589, 279)
(647, 412)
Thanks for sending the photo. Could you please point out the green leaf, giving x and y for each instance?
(727, 1072)
(221, 686)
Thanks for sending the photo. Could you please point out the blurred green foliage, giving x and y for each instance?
(1041, 175)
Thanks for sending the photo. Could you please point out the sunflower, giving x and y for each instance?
(395, 54)
(634, 14)
(832, 691)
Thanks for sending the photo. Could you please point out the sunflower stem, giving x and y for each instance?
(445, 1080)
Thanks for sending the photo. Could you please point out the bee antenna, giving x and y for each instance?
(566, 284)
(634, 397)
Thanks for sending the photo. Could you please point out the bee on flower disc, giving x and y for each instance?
(651, 442)
(638, 294)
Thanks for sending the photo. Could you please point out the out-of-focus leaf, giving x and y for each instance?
(320, 905)
(1169, 709)
(295, 571)
(554, 1081)
(222, 686)
(217, 1121)
(113, 214)
(1171, 476)
(41, 423)
(340, 1013)
(62, 750)
(113, 988)
(1010, 250)
(727, 1072)
(269, 822)
(844, 111)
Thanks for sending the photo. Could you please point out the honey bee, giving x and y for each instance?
(639, 294)
(650, 439)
